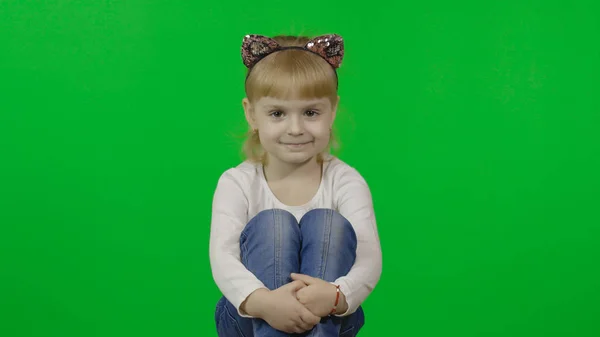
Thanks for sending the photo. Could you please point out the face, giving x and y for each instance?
(291, 131)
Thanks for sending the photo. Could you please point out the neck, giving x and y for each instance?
(277, 170)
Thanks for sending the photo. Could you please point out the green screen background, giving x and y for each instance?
(476, 125)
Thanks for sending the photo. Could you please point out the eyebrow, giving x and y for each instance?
(275, 106)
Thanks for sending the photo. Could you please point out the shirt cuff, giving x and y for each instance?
(243, 295)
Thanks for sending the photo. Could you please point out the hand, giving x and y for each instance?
(281, 310)
(319, 296)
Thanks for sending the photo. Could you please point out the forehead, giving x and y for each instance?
(293, 103)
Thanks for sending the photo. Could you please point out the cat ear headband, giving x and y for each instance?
(330, 47)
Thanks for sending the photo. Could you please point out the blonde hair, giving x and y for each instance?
(289, 73)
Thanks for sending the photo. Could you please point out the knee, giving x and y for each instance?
(274, 214)
(324, 216)
(269, 220)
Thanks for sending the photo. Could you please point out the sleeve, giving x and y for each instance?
(229, 213)
(355, 204)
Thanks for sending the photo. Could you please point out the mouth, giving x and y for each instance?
(296, 144)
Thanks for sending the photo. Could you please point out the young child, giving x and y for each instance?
(294, 246)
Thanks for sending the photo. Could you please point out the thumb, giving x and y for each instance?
(301, 277)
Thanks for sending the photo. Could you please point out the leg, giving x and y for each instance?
(328, 252)
(270, 246)
(229, 323)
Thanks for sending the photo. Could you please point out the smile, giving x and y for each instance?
(296, 144)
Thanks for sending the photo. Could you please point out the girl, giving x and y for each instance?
(294, 247)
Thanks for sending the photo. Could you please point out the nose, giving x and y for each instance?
(296, 126)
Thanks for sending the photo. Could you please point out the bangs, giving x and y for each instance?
(292, 74)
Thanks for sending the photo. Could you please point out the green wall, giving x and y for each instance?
(475, 124)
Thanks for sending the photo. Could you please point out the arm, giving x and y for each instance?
(229, 210)
(355, 204)
(279, 307)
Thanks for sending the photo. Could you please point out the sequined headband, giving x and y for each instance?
(330, 47)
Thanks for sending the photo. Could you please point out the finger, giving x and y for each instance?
(305, 278)
(307, 316)
(300, 294)
(306, 325)
(291, 328)
(303, 325)
(296, 285)
(310, 319)
(298, 329)
(295, 326)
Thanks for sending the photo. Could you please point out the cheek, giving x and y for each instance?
(269, 136)
(321, 132)
(319, 128)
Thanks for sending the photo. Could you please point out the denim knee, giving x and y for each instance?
(264, 220)
(270, 246)
(339, 223)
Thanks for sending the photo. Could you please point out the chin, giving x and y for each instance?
(296, 158)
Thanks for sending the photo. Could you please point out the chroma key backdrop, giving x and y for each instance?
(476, 125)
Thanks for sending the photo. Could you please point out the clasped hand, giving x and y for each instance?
(298, 306)
(318, 296)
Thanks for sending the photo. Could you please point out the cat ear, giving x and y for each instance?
(255, 47)
(330, 47)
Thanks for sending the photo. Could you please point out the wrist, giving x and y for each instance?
(255, 303)
(342, 306)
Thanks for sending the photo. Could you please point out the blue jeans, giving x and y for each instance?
(273, 245)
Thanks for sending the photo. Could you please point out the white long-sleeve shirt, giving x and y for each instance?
(242, 192)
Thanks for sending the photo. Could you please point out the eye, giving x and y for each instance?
(276, 114)
(312, 113)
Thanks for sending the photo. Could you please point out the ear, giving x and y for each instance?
(249, 112)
